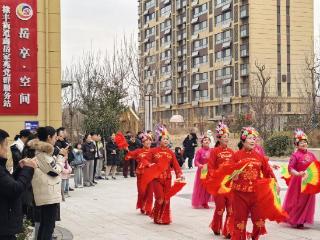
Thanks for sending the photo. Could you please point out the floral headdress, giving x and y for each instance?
(221, 129)
(246, 131)
(299, 135)
(145, 137)
(162, 131)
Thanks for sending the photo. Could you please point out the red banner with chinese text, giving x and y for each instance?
(19, 80)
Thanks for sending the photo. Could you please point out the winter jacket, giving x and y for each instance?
(112, 159)
(66, 171)
(189, 145)
(78, 158)
(89, 151)
(11, 189)
(46, 183)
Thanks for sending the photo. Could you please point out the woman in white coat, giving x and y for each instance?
(46, 181)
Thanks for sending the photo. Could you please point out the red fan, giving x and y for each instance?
(218, 182)
(268, 201)
(177, 186)
(121, 141)
(152, 172)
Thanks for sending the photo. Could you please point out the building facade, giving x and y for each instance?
(48, 70)
(198, 56)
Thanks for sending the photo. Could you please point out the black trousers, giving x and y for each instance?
(94, 168)
(11, 237)
(132, 164)
(48, 221)
(190, 156)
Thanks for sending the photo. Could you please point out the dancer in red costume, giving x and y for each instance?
(219, 155)
(163, 156)
(143, 158)
(244, 186)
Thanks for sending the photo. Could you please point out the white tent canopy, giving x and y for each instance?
(176, 119)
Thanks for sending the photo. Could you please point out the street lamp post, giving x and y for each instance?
(148, 109)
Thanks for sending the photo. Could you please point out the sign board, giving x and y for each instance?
(18, 57)
(31, 125)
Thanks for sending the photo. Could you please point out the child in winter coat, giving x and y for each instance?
(65, 176)
(179, 156)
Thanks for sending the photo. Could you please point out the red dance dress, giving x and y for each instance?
(218, 156)
(145, 198)
(162, 183)
(244, 193)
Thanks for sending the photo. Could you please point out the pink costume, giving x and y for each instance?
(300, 207)
(200, 196)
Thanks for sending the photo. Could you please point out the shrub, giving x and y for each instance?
(279, 144)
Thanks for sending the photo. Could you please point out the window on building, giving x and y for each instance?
(166, 55)
(202, 9)
(149, 17)
(197, 61)
(200, 44)
(149, 4)
(223, 55)
(201, 26)
(222, 18)
(165, 10)
(165, 25)
(150, 32)
(223, 37)
(200, 78)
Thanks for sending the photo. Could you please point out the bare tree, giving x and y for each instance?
(262, 104)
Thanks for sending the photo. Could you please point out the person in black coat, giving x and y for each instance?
(113, 158)
(133, 145)
(89, 151)
(189, 144)
(11, 189)
(18, 146)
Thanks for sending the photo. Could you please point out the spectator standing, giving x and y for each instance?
(179, 156)
(65, 176)
(189, 144)
(89, 151)
(78, 163)
(46, 183)
(133, 145)
(18, 146)
(112, 157)
(99, 156)
(11, 188)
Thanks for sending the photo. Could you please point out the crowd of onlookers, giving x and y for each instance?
(42, 164)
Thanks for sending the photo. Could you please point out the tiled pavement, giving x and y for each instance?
(107, 211)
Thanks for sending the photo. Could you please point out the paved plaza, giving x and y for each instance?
(107, 212)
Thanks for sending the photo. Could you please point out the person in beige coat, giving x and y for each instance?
(46, 181)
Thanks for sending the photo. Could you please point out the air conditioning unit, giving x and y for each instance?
(195, 36)
(194, 20)
(196, 53)
(195, 70)
(195, 103)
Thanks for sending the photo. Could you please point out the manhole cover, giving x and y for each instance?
(62, 234)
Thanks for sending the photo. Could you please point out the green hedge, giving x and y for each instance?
(280, 144)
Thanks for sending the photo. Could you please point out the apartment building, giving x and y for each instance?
(198, 56)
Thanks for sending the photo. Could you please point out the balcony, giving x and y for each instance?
(223, 3)
(244, 70)
(194, 3)
(244, 53)
(244, 11)
(244, 90)
(244, 31)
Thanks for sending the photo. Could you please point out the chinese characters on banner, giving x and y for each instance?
(19, 83)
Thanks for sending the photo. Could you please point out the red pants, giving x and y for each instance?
(223, 202)
(161, 210)
(145, 199)
(245, 203)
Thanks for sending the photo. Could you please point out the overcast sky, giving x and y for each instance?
(96, 23)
